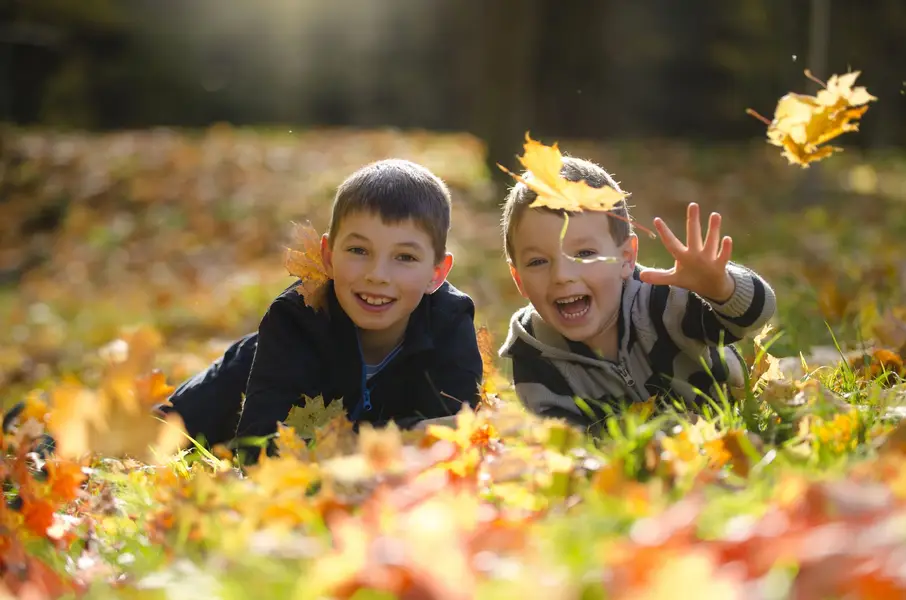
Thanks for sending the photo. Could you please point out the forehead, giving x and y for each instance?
(378, 229)
(541, 228)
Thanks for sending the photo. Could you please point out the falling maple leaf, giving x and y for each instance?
(543, 165)
(802, 123)
(304, 261)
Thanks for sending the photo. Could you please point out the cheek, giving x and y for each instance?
(534, 285)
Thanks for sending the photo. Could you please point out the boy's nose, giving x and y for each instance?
(377, 273)
(565, 270)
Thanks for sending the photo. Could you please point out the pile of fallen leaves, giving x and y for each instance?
(796, 493)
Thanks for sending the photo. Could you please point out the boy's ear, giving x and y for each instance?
(441, 270)
(327, 255)
(630, 252)
(516, 279)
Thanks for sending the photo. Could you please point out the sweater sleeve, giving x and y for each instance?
(286, 367)
(692, 321)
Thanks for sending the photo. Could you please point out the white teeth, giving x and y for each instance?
(375, 301)
(581, 313)
(568, 300)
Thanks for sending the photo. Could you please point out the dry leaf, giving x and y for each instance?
(306, 420)
(802, 123)
(116, 420)
(543, 164)
(304, 261)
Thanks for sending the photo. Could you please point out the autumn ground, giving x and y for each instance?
(173, 243)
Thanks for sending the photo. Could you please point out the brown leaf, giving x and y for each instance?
(304, 261)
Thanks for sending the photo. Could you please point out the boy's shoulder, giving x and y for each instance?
(441, 315)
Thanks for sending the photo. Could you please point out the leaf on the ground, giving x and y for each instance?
(303, 260)
(543, 164)
(116, 420)
(306, 420)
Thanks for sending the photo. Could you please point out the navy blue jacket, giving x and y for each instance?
(300, 352)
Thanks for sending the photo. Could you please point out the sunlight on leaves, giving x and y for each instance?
(543, 164)
(803, 123)
(303, 260)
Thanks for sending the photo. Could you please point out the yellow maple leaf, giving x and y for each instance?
(306, 420)
(304, 261)
(543, 164)
(802, 123)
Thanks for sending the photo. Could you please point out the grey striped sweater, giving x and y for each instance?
(664, 334)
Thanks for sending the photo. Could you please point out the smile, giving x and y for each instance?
(573, 307)
(374, 302)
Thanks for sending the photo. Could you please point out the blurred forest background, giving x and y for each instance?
(153, 153)
(597, 69)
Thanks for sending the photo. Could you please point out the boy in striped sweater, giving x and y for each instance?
(602, 333)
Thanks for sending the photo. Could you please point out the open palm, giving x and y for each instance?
(700, 265)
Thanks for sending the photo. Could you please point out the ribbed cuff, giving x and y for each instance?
(741, 300)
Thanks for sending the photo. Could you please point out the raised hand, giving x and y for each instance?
(701, 266)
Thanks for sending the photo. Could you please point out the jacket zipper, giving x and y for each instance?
(365, 400)
(624, 373)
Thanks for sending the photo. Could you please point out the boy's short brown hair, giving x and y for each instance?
(573, 169)
(397, 190)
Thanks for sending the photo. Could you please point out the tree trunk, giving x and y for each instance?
(504, 110)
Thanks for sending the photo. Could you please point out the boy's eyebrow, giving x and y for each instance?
(407, 244)
(534, 249)
(585, 239)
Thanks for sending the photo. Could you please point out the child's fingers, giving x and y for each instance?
(670, 241)
(712, 238)
(726, 249)
(657, 276)
(693, 228)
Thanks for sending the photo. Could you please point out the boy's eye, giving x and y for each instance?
(407, 258)
(587, 253)
(356, 250)
(535, 262)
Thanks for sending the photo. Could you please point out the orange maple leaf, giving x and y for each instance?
(304, 261)
(488, 391)
(543, 164)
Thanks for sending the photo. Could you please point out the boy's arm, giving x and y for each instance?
(692, 320)
(285, 368)
(455, 376)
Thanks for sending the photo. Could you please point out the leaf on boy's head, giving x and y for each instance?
(543, 164)
(802, 123)
(303, 260)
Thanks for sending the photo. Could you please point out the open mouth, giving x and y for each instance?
(573, 307)
(374, 302)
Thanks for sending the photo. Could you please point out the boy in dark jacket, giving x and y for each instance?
(392, 341)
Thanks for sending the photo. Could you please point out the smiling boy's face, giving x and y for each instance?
(382, 270)
(577, 299)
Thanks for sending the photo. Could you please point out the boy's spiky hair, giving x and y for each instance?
(574, 169)
(397, 190)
